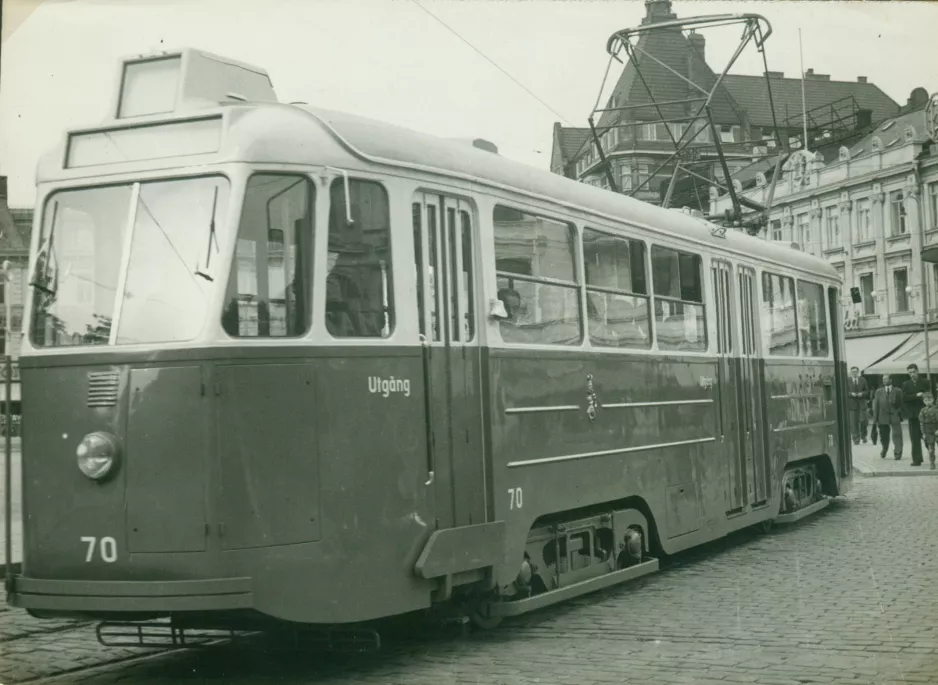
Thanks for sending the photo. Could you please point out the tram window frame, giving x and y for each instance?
(702, 344)
(769, 317)
(524, 274)
(636, 257)
(808, 345)
(298, 319)
(384, 326)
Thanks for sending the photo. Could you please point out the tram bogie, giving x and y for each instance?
(322, 370)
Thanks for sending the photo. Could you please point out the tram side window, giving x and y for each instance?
(269, 287)
(779, 328)
(812, 320)
(359, 295)
(535, 262)
(680, 323)
(617, 303)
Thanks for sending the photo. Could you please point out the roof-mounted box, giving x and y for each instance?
(166, 83)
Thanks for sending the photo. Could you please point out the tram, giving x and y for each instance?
(296, 365)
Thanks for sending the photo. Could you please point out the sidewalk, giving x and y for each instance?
(866, 459)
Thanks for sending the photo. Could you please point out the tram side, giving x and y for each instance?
(675, 410)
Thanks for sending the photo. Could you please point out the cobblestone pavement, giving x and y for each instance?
(847, 596)
(866, 460)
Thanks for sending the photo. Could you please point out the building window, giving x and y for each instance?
(804, 232)
(679, 311)
(864, 233)
(833, 227)
(650, 131)
(866, 294)
(900, 281)
(776, 230)
(933, 204)
(726, 133)
(616, 291)
(625, 176)
(898, 213)
(535, 263)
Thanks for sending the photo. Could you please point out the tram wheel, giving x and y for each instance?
(766, 526)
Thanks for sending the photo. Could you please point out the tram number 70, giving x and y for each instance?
(516, 500)
(107, 548)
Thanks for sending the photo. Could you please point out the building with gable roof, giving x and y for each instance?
(837, 111)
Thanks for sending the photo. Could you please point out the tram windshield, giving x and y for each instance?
(125, 264)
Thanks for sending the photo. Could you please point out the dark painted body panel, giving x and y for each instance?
(313, 485)
(681, 456)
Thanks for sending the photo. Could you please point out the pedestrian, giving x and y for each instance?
(928, 420)
(887, 415)
(913, 390)
(858, 394)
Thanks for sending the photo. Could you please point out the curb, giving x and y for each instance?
(873, 473)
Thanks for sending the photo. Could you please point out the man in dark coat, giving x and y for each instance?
(858, 393)
(887, 414)
(912, 392)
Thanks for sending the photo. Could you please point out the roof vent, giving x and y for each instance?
(485, 145)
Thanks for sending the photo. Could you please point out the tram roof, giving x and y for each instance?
(271, 132)
(378, 141)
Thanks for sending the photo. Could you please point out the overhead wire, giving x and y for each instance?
(492, 62)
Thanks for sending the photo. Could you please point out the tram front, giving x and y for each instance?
(185, 449)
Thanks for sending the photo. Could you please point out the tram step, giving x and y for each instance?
(801, 513)
(523, 606)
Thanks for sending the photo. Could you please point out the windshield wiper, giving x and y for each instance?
(211, 237)
(44, 273)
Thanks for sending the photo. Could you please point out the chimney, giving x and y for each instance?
(774, 74)
(809, 75)
(698, 45)
(861, 79)
(3, 187)
(657, 11)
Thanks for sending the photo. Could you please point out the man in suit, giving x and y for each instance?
(913, 390)
(858, 394)
(887, 414)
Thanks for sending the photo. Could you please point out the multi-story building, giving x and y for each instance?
(15, 229)
(869, 212)
(836, 111)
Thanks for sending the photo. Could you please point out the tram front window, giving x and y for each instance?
(107, 274)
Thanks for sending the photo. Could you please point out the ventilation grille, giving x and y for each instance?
(102, 388)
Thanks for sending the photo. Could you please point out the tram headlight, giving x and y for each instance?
(97, 455)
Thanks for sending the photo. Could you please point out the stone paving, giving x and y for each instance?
(847, 596)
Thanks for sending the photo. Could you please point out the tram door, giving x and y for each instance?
(444, 250)
(752, 393)
(721, 273)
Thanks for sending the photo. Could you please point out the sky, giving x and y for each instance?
(502, 70)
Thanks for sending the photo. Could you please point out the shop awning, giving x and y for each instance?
(862, 352)
(910, 352)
